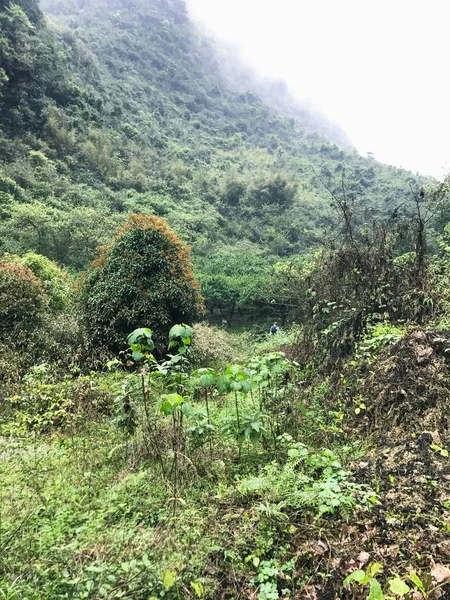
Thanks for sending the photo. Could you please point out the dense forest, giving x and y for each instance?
(109, 108)
(151, 186)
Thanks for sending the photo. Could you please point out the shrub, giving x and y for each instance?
(22, 302)
(42, 405)
(57, 282)
(212, 346)
(143, 278)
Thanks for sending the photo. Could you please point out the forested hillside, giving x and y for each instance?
(110, 107)
(145, 454)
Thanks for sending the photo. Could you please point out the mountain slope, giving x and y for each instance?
(120, 107)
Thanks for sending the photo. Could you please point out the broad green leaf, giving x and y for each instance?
(417, 582)
(187, 410)
(398, 587)
(137, 355)
(375, 591)
(223, 383)
(246, 386)
(166, 408)
(207, 380)
(299, 450)
(232, 370)
(254, 437)
(181, 331)
(188, 332)
(204, 371)
(169, 579)
(359, 576)
(142, 335)
(174, 399)
(176, 331)
(373, 569)
(241, 376)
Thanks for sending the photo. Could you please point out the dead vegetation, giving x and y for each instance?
(406, 394)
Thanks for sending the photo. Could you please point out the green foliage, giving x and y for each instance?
(358, 282)
(43, 406)
(144, 276)
(396, 585)
(269, 571)
(213, 346)
(314, 483)
(106, 112)
(22, 302)
(376, 338)
(140, 343)
(232, 280)
(58, 284)
(128, 484)
(127, 469)
(68, 235)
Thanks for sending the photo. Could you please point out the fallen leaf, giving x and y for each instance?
(309, 592)
(440, 573)
(318, 548)
(363, 559)
(444, 548)
(436, 438)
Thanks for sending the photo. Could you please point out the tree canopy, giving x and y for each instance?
(143, 278)
(109, 109)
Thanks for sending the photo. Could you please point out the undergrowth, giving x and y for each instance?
(128, 484)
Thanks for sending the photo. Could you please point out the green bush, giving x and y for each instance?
(22, 302)
(212, 346)
(143, 278)
(41, 405)
(376, 338)
(57, 282)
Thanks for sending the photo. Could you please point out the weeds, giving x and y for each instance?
(156, 451)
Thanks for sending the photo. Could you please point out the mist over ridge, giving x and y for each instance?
(369, 67)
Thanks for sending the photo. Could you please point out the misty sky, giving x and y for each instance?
(377, 68)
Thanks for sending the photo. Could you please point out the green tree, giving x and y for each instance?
(233, 279)
(22, 302)
(143, 278)
(69, 237)
(58, 283)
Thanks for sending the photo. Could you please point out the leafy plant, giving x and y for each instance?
(311, 482)
(396, 587)
(141, 344)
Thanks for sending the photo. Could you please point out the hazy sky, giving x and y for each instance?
(378, 68)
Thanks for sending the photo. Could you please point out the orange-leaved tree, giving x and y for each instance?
(143, 278)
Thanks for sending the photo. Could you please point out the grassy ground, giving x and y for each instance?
(285, 504)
